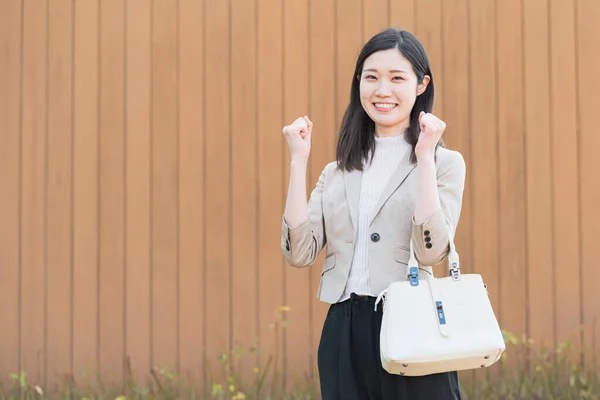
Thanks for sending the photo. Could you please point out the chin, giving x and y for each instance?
(390, 126)
(386, 122)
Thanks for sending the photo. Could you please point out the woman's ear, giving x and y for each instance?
(423, 85)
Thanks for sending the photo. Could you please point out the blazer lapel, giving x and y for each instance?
(352, 182)
(404, 168)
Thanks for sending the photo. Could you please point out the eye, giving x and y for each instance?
(370, 77)
(398, 78)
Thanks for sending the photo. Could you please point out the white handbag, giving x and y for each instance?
(438, 325)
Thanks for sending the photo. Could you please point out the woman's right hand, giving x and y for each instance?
(297, 135)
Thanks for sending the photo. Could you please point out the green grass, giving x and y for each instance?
(527, 371)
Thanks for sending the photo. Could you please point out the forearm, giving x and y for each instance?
(439, 189)
(302, 228)
(296, 206)
(428, 198)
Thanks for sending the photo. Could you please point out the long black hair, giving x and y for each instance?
(356, 140)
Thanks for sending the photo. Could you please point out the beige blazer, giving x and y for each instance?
(333, 214)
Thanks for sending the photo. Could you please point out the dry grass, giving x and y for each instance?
(527, 371)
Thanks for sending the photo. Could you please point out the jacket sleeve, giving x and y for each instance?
(431, 239)
(302, 244)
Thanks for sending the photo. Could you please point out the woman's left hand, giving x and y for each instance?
(432, 129)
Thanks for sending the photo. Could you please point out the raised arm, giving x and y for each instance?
(302, 232)
(439, 193)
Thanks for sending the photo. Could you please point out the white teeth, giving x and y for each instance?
(385, 105)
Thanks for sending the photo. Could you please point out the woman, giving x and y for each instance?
(392, 181)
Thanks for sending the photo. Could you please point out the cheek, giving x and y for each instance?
(365, 96)
(364, 92)
(406, 93)
(407, 97)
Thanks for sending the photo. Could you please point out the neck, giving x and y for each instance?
(396, 130)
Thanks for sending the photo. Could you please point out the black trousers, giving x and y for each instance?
(350, 365)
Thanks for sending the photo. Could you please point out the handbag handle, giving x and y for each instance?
(413, 274)
(452, 258)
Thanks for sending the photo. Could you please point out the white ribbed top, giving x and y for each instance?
(388, 153)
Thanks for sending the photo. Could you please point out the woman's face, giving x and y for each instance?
(388, 90)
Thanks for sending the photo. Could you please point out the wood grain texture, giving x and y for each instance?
(145, 175)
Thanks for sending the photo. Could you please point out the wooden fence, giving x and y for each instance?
(144, 174)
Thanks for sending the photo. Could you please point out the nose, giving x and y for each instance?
(383, 89)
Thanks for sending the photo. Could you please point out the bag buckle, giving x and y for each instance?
(455, 271)
(440, 312)
(413, 276)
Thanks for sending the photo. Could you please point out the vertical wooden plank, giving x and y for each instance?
(59, 191)
(111, 224)
(10, 108)
(376, 15)
(244, 147)
(456, 81)
(480, 206)
(565, 173)
(511, 164)
(85, 191)
(402, 14)
(164, 185)
(218, 183)
(429, 28)
(457, 90)
(191, 191)
(588, 62)
(33, 200)
(10, 165)
(539, 194)
(137, 195)
(295, 83)
(271, 184)
(348, 45)
(325, 126)
(482, 162)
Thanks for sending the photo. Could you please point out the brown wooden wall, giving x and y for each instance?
(144, 174)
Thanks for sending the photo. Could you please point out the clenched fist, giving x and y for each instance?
(432, 129)
(297, 135)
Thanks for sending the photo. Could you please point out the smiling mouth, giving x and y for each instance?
(385, 106)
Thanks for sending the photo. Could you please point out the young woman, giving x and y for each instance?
(393, 181)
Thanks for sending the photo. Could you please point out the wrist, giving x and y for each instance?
(425, 158)
(298, 162)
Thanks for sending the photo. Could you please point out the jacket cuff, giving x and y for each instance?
(431, 240)
(291, 235)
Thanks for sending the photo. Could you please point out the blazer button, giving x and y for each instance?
(429, 245)
(426, 233)
(375, 237)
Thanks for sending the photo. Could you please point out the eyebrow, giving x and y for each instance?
(392, 70)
